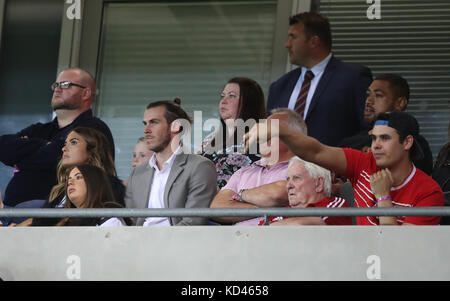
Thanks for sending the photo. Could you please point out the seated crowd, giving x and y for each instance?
(289, 158)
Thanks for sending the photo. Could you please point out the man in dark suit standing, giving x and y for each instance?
(327, 92)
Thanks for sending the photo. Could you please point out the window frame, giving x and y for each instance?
(2, 15)
(87, 32)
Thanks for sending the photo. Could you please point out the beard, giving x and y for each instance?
(165, 141)
(63, 106)
(59, 103)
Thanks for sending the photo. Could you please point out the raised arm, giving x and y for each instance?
(307, 148)
(310, 149)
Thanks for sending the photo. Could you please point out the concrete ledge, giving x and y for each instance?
(225, 253)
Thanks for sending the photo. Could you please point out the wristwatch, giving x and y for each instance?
(240, 195)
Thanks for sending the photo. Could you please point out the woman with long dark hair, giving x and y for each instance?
(242, 100)
(88, 186)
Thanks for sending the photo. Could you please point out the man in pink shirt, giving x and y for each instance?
(262, 184)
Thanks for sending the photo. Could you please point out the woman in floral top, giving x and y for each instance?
(242, 99)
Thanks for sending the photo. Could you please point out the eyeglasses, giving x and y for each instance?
(65, 85)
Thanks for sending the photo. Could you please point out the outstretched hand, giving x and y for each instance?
(261, 133)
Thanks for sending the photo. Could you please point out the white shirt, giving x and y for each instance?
(112, 222)
(62, 203)
(318, 70)
(158, 185)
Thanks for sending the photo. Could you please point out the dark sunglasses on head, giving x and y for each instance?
(65, 85)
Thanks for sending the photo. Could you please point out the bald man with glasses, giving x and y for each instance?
(35, 151)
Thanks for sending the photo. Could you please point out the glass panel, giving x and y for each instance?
(28, 60)
(157, 51)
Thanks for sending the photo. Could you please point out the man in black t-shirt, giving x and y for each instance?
(387, 93)
(36, 150)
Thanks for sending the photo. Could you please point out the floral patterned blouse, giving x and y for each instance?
(227, 161)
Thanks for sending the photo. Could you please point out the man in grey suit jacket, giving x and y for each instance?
(171, 178)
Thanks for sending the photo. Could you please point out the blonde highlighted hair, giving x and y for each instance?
(99, 152)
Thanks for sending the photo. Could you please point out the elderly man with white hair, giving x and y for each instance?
(309, 185)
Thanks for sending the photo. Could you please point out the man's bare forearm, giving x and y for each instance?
(224, 200)
(269, 195)
(299, 221)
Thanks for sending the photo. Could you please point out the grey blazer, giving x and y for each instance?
(192, 183)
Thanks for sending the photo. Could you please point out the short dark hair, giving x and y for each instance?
(173, 110)
(397, 84)
(315, 25)
(405, 124)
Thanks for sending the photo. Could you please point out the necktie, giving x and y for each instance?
(301, 99)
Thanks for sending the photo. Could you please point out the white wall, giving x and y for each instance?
(225, 253)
